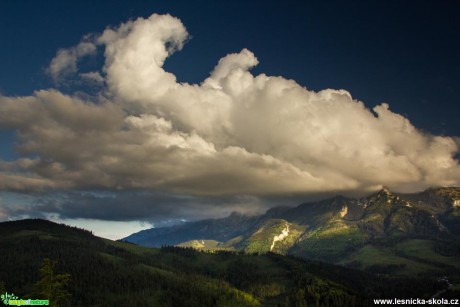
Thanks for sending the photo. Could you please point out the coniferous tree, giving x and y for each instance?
(52, 286)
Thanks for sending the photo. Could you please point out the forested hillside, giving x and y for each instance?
(108, 273)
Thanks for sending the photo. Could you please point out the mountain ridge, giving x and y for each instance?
(337, 229)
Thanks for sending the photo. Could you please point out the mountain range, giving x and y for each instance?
(384, 232)
(334, 252)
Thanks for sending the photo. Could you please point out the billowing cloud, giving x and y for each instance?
(233, 134)
(65, 61)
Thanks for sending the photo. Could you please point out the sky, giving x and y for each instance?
(116, 116)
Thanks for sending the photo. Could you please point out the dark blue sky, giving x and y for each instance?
(404, 53)
(401, 52)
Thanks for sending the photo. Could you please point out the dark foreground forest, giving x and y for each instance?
(71, 267)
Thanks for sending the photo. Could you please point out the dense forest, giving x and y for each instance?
(84, 270)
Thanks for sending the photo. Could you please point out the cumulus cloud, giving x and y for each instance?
(135, 53)
(65, 61)
(233, 134)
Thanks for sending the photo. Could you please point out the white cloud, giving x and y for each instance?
(135, 53)
(240, 62)
(235, 133)
(65, 61)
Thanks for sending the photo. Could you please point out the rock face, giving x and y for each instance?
(339, 230)
(280, 237)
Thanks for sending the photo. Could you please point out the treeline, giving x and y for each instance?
(104, 273)
(303, 283)
(110, 276)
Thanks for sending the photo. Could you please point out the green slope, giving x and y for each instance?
(371, 233)
(103, 272)
(108, 273)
